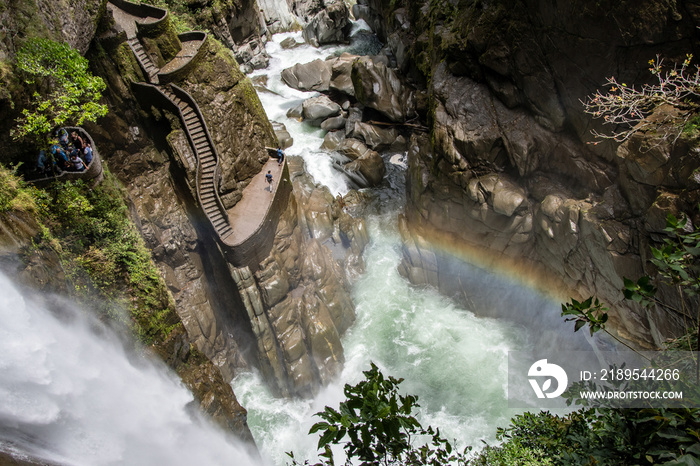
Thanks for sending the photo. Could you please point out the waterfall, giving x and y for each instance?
(72, 395)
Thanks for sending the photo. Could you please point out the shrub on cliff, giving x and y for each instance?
(104, 259)
(15, 195)
(627, 108)
(62, 89)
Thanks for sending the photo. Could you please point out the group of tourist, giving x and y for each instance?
(68, 152)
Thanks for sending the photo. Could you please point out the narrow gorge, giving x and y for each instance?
(442, 191)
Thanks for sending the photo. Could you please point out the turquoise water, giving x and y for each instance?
(453, 360)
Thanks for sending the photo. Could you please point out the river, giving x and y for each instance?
(455, 361)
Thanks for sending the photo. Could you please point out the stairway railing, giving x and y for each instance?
(184, 96)
(94, 171)
(164, 101)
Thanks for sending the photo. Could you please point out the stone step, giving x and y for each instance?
(225, 234)
(194, 128)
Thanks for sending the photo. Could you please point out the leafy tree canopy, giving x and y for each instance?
(63, 90)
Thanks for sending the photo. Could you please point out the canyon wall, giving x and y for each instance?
(506, 176)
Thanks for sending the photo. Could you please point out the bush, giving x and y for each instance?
(375, 425)
(62, 88)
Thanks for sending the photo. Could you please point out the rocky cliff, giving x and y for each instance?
(283, 313)
(506, 176)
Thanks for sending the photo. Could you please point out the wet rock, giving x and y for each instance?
(289, 43)
(330, 25)
(283, 136)
(378, 87)
(277, 15)
(320, 108)
(332, 139)
(374, 136)
(251, 55)
(365, 167)
(312, 76)
(354, 116)
(333, 123)
(296, 112)
(341, 74)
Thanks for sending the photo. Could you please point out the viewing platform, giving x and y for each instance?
(93, 173)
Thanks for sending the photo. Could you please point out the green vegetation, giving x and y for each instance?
(377, 427)
(600, 437)
(186, 17)
(62, 89)
(14, 193)
(106, 263)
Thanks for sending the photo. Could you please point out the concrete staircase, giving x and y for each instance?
(146, 63)
(207, 164)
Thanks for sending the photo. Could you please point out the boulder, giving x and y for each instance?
(375, 137)
(378, 87)
(354, 116)
(332, 139)
(277, 16)
(337, 122)
(312, 76)
(251, 55)
(328, 26)
(283, 137)
(366, 167)
(320, 108)
(341, 74)
(296, 112)
(289, 43)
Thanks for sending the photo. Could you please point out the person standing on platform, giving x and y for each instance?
(268, 178)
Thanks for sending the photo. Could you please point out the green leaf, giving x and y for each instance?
(326, 438)
(318, 426)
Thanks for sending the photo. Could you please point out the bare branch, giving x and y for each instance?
(626, 108)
